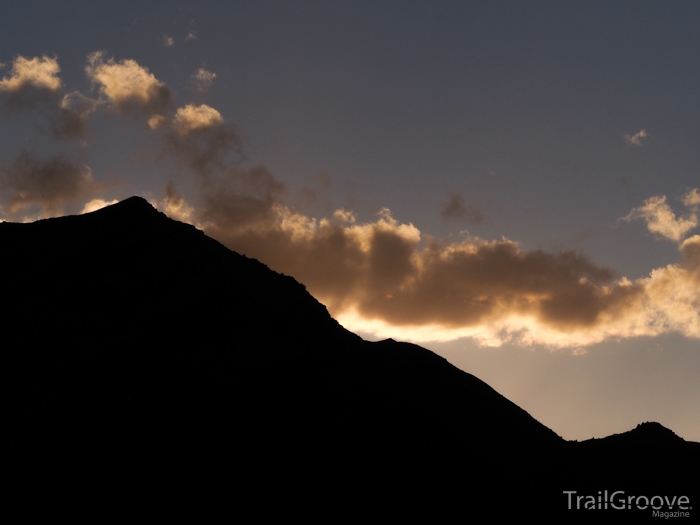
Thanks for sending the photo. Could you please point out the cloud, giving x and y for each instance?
(192, 118)
(33, 83)
(38, 73)
(381, 276)
(691, 198)
(71, 116)
(48, 185)
(662, 221)
(456, 210)
(191, 36)
(386, 278)
(175, 205)
(241, 200)
(30, 82)
(168, 41)
(202, 80)
(129, 87)
(636, 139)
(96, 204)
(198, 135)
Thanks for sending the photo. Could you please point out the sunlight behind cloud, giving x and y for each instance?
(96, 204)
(381, 276)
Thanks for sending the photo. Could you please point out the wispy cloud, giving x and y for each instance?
(202, 80)
(168, 41)
(72, 115)
(455, 209)
(175, 205)
(636, 139)
(691, 198)
(662, 221)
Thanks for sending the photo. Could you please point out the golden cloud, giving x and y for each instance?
(39, 73)
(96, 204)
(383, 277)
(190, 118)
(662, 221)
(128, 86)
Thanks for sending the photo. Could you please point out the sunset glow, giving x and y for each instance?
(508, 178)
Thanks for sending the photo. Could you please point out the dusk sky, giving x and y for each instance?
(513, 185)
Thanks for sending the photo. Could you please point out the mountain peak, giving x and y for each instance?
(134, 202)
(133, 207)
(132, 341)
(653, 432)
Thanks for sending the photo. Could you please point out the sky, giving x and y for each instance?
(513, 185)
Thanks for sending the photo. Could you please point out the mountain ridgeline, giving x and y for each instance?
(137, 352)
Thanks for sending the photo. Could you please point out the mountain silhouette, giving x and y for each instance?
(152, 363)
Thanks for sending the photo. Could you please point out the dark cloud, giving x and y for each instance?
(71, 117)
(48, 185)
(456, 210)
(242, 198)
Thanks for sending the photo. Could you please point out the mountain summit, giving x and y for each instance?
(140, 352)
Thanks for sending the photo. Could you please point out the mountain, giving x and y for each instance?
(145, 359)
